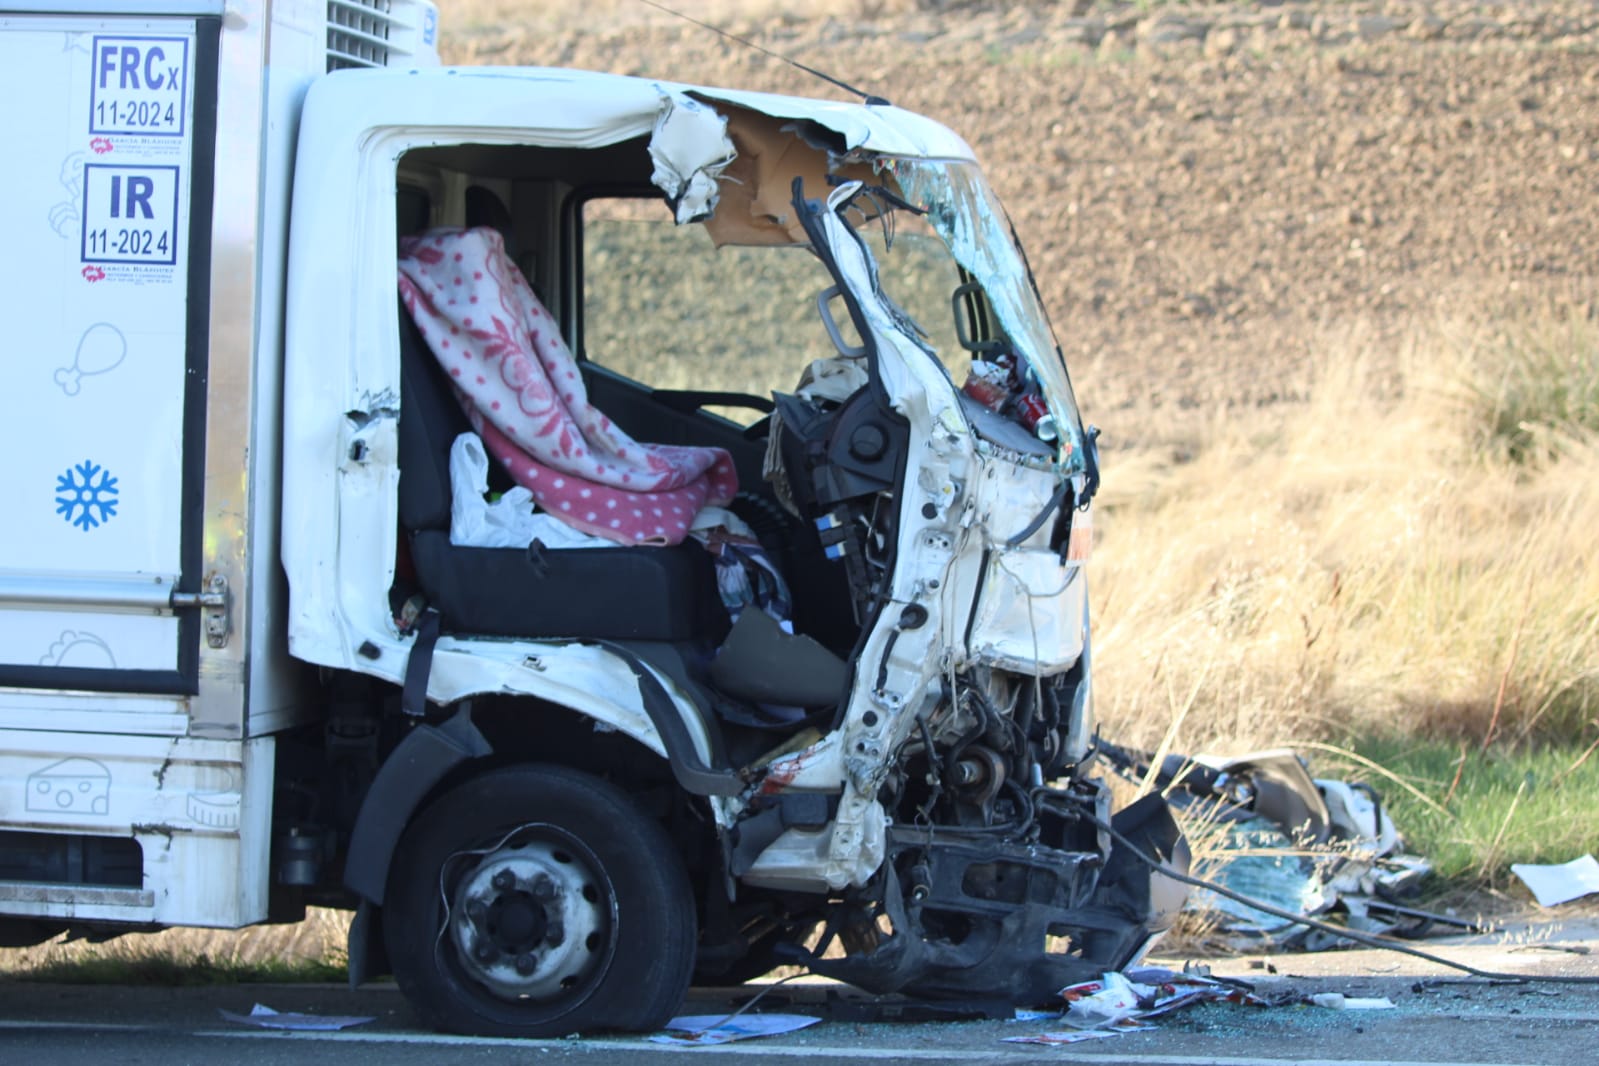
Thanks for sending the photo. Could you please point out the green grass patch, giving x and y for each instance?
(1485, 810)
(1533, 384)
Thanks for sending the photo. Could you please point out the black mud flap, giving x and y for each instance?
(365, 952)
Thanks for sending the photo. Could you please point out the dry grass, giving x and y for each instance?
(310, 950)
(1393, 556)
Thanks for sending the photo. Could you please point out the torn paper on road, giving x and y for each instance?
(1071, 1036)
(1562, 883)
(707, 1029)
(263, 1017)
(690, 148)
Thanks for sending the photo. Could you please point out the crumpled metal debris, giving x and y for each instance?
(690, 149)
(1312, 846)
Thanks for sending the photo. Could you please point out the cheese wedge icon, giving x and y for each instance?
(74, 785)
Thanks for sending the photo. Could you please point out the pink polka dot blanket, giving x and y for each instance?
(522, 391)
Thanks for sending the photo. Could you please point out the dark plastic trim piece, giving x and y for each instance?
(412, 769)
(687, 767)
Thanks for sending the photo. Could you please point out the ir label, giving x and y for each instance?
(130, 214)
(140, 85)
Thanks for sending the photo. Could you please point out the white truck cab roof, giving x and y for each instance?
(597, 108)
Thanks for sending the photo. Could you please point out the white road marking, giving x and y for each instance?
(832, 1053)
(743, 1047)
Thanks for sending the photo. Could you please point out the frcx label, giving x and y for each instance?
(140, 86)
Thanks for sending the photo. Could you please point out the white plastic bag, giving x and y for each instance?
(508, 522)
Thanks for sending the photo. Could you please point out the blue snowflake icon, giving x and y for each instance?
(84, 501)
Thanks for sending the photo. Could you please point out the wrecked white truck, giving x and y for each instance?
(607, 532)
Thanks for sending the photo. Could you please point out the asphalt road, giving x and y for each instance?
(1448, 1024)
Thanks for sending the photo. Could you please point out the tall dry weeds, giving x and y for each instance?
(1397, 554)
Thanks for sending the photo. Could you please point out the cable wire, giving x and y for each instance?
(1333, 930)
(846, 86)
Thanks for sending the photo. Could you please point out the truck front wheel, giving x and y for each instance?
(537, 901)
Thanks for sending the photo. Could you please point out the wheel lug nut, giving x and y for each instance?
(526, 964)
(483, 950)
(554, 933)
(504, 880)
(477, 912)
(543, 888)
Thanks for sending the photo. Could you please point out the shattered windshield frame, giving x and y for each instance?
(966, 214)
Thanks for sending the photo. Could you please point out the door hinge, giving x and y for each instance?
(215, 601)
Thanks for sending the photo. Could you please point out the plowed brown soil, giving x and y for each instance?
(1208, 193)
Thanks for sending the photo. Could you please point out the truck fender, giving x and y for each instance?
(417, 763)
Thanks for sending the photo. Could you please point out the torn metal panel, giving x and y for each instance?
(690, 149)
(878, 128)
(800, 858)
(757, 187)
(1029, 617)
(1031, 608)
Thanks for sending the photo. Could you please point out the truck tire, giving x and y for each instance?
(537, 901)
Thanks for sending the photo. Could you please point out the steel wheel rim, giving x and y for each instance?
(531, 919)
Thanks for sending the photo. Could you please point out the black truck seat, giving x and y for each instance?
(620, 593)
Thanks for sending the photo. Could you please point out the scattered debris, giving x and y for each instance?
(1562, 883)
(1123, 1000)
(1301, 844)
(1124, 1003)
(1072, 1036)
(704, 1030)
(263, 1017)
(1339, 1001)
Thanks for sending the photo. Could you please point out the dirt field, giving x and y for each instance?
(1210, 194)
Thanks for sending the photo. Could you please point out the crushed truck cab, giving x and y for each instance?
(683, 511)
